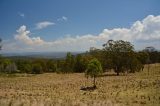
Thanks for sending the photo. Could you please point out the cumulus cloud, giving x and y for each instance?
(146, 30)
(63, 18)
(142, 33)
(44, 24)
(23, 36)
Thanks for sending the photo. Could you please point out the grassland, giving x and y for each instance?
(51, 89)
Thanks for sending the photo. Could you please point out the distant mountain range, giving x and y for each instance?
(56, 55)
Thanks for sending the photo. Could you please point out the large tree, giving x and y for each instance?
(94, 69)
(121, 55)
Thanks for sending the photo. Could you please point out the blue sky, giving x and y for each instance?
(60, 20)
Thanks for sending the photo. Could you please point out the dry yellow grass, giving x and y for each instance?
(51, 89)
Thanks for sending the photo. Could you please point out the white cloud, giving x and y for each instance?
(141, 34)
(23, 36)
(63, 18)
(21, 15)
(44, 24)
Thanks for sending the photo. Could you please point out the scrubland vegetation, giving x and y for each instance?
(115, 75)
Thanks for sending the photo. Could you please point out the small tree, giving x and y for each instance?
(94, 69)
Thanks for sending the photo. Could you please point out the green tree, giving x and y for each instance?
(8, 66)
(153, 54)
(100, 55)
(69, 62)
(27, 68)
(60, 66)
(52, 66)
(42, 62)
(79, 65)
(24, 65)
(37, 68)
(94, 69)
(6, 62)
(135, 65)
(121, 54)
(142, 56)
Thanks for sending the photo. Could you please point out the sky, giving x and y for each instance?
(77, 25)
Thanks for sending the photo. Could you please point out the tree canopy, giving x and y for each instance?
(121, 53)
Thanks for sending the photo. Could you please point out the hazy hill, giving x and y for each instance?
(39, 54)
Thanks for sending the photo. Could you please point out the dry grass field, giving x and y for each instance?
(51, 89)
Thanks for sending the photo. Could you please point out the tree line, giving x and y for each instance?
(117, 55)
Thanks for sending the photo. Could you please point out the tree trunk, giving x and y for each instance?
(117, 73)
(94, 81)
(117, 70)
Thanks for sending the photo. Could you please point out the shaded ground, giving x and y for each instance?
(64, 89)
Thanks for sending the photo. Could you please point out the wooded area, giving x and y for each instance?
(117, 55)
